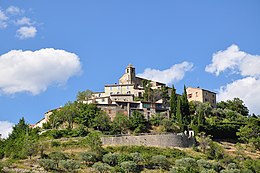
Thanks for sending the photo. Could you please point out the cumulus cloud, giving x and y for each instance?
(3, 19)
(26, 32)
(24, 21)
(14, 10)
(247, 89)
(6, 127)
(247, 66)
(235, 60)
(35, 71)
(14, 16)
(173, 74)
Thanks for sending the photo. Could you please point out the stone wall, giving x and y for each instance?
(158, 140)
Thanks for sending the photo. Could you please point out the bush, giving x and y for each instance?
(47, 164)
(129, 166)
(187, 164)
(203, 164)
(137, 157)
(55, 143)
(101, 167)
(160, 162)
(89, 157)
(57, 156)
(111, 158)
(124, 158)
(70, 165)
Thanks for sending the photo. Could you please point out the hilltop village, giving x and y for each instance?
(128, 95)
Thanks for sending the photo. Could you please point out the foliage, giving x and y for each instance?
(235, 105)
(111, 159)
(179, 115)
(101, 167)
(173, 103)
(89, 157)
(16, 145)
(47, 164)
(250, 133)
(102, 122)
(57, 156)
(129, 166)
(156, 119)
(121, 124)
(187, 165)
(160, 162)
(138, 123)
(70, 165)
(94, 142)
(185, 110)
(137, 157)
(84, 95)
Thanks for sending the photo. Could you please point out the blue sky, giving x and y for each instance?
(50, 50)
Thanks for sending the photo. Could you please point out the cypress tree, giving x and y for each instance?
(185, 107)
(179, 114)
(173, 102)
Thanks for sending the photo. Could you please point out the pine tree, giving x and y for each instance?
(173, 102)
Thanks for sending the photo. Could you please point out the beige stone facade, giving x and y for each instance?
(201, 95)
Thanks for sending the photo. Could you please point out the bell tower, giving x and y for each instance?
(129, 76)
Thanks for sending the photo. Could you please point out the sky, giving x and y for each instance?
(50, 50)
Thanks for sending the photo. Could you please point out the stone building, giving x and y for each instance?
(201, 95)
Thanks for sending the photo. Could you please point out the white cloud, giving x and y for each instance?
(247, 89)
(3, 19)
(35, 71)
(26, 32)
(247, 66)
(5, 128)
(24, 21)
(14, 10)
(168, 76)
(235, 60)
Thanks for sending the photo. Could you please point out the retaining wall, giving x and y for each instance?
(159, 140)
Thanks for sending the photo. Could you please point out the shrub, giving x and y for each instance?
(47, 164)
(137, 157)
(129, 166)
(70, 165)
(55, 143)
(111, 158)
(187, 164)
(89, 157)
(57, 156)
(124, 158)
(160, 162)
(101, 167)
(204, 164)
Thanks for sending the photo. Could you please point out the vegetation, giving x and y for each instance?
(71, 140)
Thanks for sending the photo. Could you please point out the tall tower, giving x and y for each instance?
(129, 76)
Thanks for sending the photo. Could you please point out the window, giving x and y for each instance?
(111, 93)
(213, 95)
(206, 100)
(118, 93)
(196, 94)
(99, 95)
(128, 92)
(103, 100)
(127, 87)
(111, 88)
(118, 87)
(189, 95)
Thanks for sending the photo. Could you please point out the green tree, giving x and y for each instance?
(138, 123)
(111, 159)
(235, 105)
(179, 115)
(102, 122)
(84, 95)
(250, 132)
(57, 157)
(120, 124)
(94, 142)
(70, 165)
(173, 102)
(185, 107)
